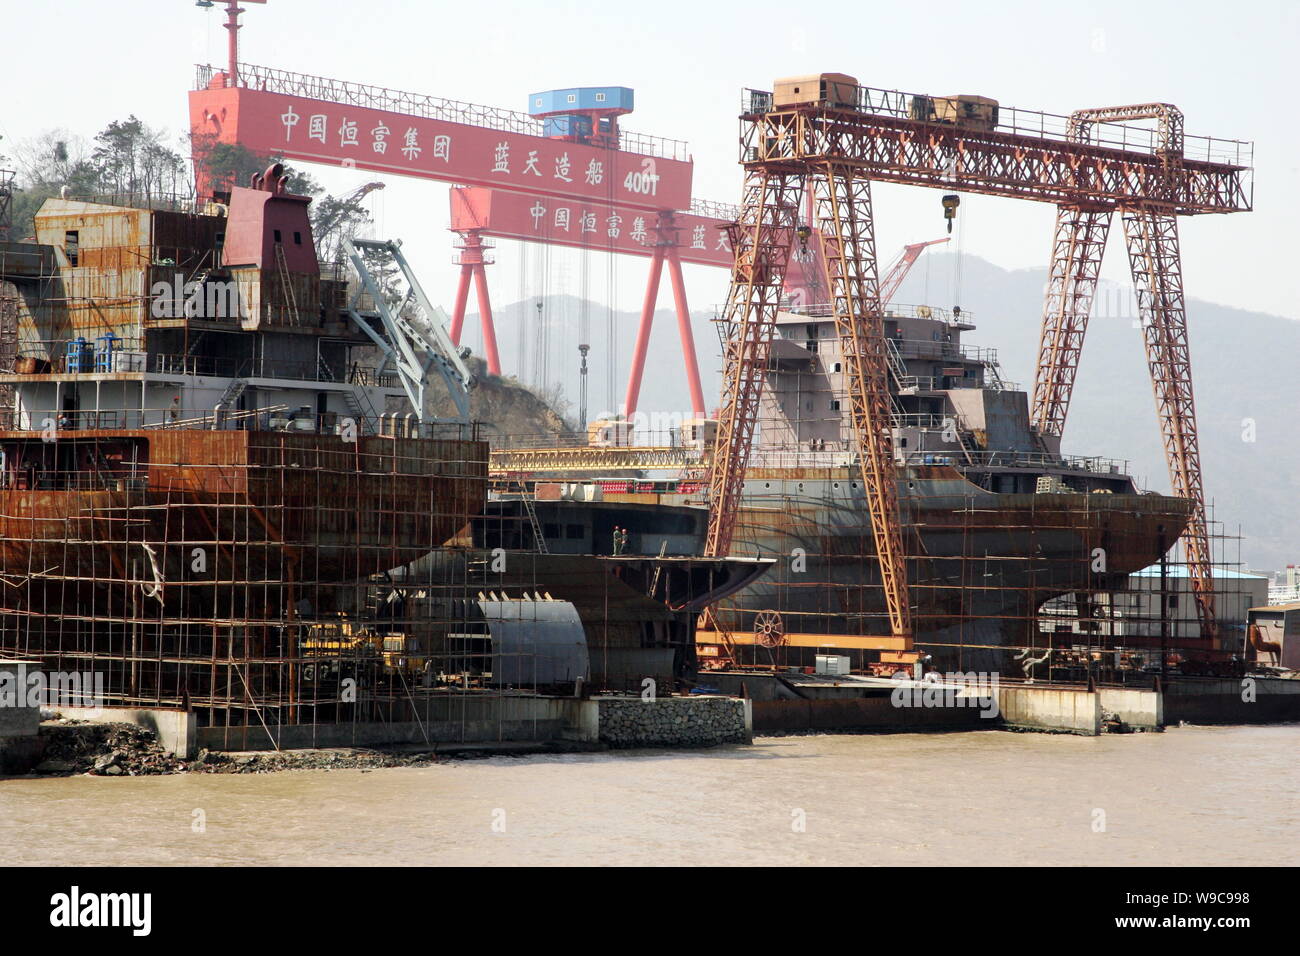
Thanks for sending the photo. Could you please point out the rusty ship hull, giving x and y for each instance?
(200, 520)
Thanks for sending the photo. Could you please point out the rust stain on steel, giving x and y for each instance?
(340, 510)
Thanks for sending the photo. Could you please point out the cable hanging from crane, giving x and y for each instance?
(959, 265)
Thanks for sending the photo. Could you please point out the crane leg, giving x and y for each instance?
(1155, 261)
(1077, 248)
(462, 297)
(684, 332)
(485, 317)
(843, 209)
(643, 333)
(760, 242)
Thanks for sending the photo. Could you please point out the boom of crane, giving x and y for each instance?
(391, 308)
(901, 266)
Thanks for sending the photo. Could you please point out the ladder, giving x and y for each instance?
(663, 549)
(996, 372)
(897, 369)
(193, 306)
(363, 410)
(282, 266)
(530, 510)
(323, 370)
(969, 446)
(232, 392)
(896, 364)
(228, 398)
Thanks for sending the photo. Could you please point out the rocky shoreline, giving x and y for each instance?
(74, 748)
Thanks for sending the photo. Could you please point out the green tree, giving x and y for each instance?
(132, 161)
(233, 164)
(335, 218)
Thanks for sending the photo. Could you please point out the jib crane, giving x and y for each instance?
(901, 266)
(830, 134)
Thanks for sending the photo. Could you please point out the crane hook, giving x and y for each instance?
(950, 204)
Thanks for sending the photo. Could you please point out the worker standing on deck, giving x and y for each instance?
(620, 540)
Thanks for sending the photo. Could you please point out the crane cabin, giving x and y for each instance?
(973, 112)
(838, 90)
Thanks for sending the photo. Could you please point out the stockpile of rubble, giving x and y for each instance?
(108, 750)
(118, 750)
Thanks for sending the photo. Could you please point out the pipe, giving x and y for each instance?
(233, 11)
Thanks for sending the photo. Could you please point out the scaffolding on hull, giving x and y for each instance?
(259, 588)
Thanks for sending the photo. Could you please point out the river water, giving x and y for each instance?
(1192, 795)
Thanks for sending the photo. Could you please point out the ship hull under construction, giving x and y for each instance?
(979, 564)
(200, 521)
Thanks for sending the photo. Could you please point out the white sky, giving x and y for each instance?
(1232, 68)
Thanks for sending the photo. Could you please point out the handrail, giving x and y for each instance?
(1111, 134)
(269, 79)
(66, 425)
(129, 357)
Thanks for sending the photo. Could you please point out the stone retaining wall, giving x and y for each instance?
(674, 721)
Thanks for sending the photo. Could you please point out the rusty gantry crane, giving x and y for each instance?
(829, 134)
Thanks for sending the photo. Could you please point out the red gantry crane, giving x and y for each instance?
(828, 134)
(563, 173)
(694, 237)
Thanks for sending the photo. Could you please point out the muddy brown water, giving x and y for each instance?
(1192, 795)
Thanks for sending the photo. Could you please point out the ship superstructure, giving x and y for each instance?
(951, 406)
(147, 315)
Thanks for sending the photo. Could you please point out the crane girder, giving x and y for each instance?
(889, 148)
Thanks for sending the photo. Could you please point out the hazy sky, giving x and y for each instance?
(1232, 68)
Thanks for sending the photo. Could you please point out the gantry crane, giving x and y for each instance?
(836, 136)
(761, 240)
(579, 174)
